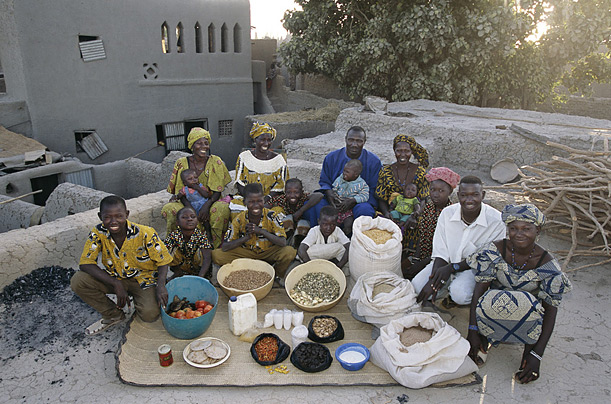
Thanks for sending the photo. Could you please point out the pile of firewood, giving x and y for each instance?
(574, 192)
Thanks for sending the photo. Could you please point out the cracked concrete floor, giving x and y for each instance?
(61, 366)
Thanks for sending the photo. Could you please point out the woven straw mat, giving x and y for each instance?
(138, 361)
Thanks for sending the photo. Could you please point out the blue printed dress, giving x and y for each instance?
(511, 310)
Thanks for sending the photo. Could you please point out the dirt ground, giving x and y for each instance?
(45, 357)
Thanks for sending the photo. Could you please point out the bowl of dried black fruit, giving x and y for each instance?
(311, 357)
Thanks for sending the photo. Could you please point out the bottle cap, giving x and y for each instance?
(233, 298)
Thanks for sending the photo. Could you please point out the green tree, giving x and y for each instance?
(462, 51)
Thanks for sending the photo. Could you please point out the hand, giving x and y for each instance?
(411, 223)
(333, 198)
(121, 294)
(531, 365)
(204, 213)
(250, 228)
(347, 204)
(478, 343)
(438, 278)
(162, 295)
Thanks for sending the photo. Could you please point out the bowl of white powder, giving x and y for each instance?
(352, 356)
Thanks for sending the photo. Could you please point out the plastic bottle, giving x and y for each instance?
(287, 319)
(242, 313)
(299, 335)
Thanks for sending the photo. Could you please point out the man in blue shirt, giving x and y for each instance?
(333, 166)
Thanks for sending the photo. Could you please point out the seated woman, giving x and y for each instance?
(442, 182)
(394, 177)
(211, 173)
(261, 165)
(519, 288)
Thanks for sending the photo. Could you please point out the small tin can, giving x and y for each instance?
(165, 355)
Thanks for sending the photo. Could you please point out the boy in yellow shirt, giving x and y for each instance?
(134, 262)
(256, 233)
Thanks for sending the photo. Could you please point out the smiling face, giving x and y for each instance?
(470, 197)
(355, 140)
(186, 219)
(403, 152)
(293, 192)
(440, 192)
(263, 143)
(201, 147)
(254, 204)
(522, 234)
(327, 224)
(114, 218)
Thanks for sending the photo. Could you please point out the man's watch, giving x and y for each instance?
(456, 267)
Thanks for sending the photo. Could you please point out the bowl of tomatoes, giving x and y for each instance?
(191, 307)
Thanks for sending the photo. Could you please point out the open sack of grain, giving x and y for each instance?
(443, 357)
(379, 297)
(375, 246)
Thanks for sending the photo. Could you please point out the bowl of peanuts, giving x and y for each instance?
(245, 275)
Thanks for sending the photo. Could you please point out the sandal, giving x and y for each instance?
(103, 325)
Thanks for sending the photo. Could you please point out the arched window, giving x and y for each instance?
(165, 38)
(224, 38)
(180, 46)
(198, 38)
(237, 38)
(211, 39)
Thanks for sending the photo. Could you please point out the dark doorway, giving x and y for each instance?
(47, 184)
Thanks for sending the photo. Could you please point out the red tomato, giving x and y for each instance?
(191, 314)
(200, 310)
(200, 304)
(180, 315)
(197, 313)
(208, 308)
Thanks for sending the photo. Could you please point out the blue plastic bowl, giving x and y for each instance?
(352, 346)
(193, 288)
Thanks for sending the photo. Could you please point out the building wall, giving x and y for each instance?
(112, 95)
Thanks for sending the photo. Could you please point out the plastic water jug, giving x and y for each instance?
(242, 313)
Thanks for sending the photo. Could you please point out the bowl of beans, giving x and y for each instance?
(315, 286)
(245, 275)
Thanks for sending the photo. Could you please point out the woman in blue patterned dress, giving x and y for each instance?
(518, 291)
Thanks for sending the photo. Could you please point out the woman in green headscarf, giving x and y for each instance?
(213, 174)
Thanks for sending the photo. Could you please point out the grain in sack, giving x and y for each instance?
(368, 253)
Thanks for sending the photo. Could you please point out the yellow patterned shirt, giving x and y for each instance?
(269, 221)
(139, 257)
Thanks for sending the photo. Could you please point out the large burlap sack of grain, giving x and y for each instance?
(366, 255)
(379, 297)
(443, 357)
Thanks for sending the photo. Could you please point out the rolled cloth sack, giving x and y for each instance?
(441, 358)
(379, 297)
(368, 256)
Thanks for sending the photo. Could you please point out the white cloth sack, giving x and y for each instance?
(442, 358)
(366, 255)
(384, 307)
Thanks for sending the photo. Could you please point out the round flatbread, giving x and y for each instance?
(197, 357)
(216, 352)
(200, 345)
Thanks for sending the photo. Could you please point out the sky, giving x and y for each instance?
(266, 16)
